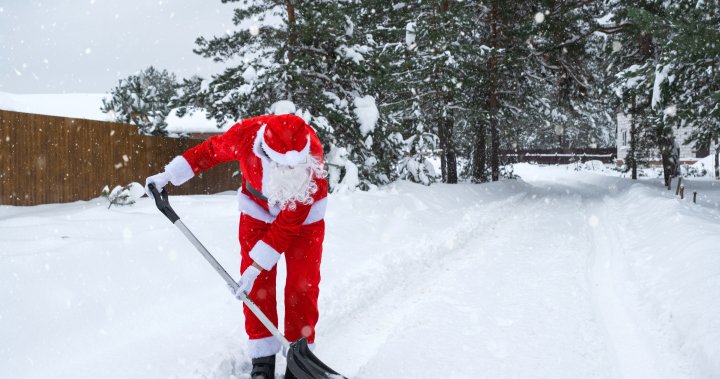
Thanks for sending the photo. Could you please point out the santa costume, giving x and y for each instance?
(282, 199)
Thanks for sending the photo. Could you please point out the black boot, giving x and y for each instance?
(263, 368)
(288, 374)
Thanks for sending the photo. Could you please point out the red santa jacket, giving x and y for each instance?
(242, 143)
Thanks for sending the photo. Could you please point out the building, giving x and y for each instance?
(688, 153)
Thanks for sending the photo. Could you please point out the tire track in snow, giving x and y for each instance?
(373, 300)
(631, 353)
(523, 332)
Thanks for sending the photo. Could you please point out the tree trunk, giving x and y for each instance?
(292, 29)
(492, 100)
(633, 141)
(448, 160)
(448, 157)
(479, 156)
(443, 153)
(450, 154)
(444, 5)
(665, 145)
(717, 162)
(667, 165)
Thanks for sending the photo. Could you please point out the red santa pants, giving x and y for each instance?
(302, 259)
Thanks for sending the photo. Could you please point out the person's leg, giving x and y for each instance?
(262, 343)
(303, 278)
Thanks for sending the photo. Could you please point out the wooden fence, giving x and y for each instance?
(560, 156)
(47, 159)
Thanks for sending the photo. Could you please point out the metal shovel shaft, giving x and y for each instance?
(163, 204)
(231, 282)
(301, 361)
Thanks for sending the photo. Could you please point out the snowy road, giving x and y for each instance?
(559, 275)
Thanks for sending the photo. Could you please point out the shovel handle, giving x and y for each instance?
(161, 200)
(163, 204)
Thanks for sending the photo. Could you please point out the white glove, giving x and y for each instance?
(160, 180)
(247, 279)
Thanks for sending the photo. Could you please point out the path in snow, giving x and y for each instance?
(500, 302)
(532, 285)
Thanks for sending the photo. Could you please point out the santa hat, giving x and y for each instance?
(286, 140)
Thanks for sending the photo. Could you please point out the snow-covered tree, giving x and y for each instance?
(312, 53)
(144, 99)
(668, 58)
(567, 75)
(686, 89)
(123, 195)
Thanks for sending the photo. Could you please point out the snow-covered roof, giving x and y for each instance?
(75, 105)
(87, 106)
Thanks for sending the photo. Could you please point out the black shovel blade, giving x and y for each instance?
(305, 365)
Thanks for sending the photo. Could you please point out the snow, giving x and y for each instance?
(353, 53)
(87, 106)
(195, 122)
(562, 274)
(367, 113)
(661, 74)
(250, 75)
(283, 107)
(75, 105)
(410, 34)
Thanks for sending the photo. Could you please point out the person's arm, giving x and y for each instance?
(209, 153)
(267, 250)
(212, 151)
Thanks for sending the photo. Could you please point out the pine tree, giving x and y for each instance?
(434, 78)
(314, 57)
(506, 90)
(675, 83)
(687, 84)
(567, 75)
(392, 25)
(634, 58)
(144, 99)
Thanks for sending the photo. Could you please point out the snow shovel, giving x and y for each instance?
(300, 360)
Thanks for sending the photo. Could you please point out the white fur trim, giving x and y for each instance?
(317, 211)
(263, 347)
(249, 207)
(179, 170)
(264, 255)
(264, 160)
(291, 157)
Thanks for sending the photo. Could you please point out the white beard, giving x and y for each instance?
(288, 185)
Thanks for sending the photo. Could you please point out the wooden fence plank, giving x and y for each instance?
(47, 159)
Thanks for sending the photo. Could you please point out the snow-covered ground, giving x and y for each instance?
(562, 274)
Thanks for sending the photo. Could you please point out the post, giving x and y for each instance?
(682, 192)
(669, 185)
(677, 190)
(694, 197)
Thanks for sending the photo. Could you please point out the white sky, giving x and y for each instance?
(85, 46)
